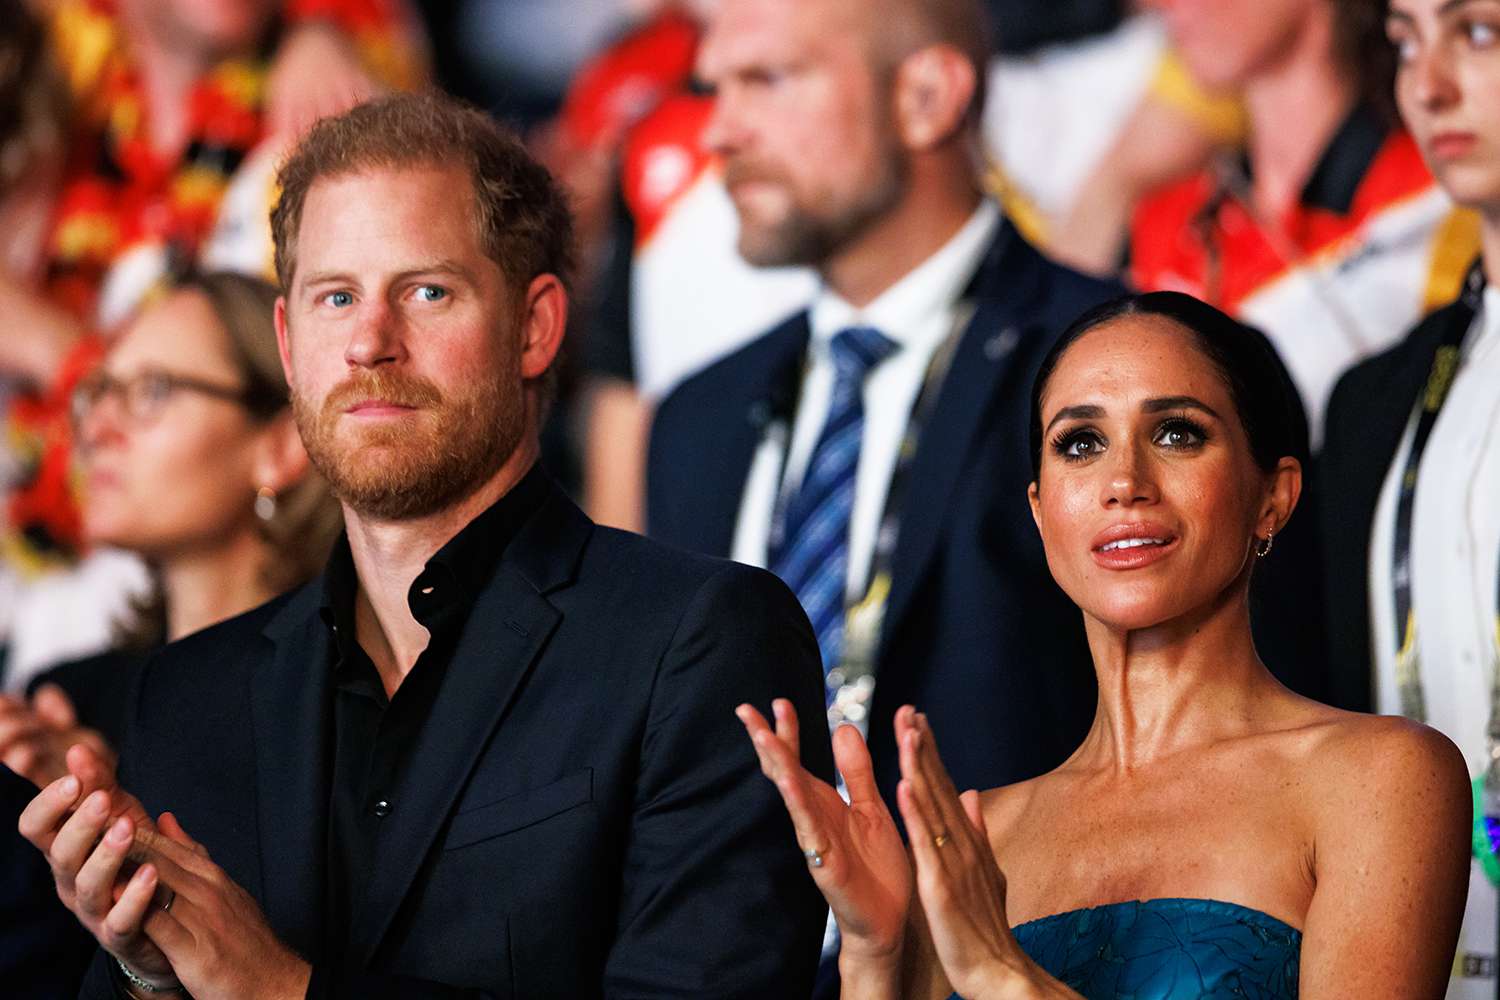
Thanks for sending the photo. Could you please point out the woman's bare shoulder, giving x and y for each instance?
(1352, 757)
(1004, 808)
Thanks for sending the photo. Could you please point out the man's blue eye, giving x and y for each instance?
(432, 293)
(340, 299)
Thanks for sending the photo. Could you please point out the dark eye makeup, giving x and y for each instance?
(1175, 433)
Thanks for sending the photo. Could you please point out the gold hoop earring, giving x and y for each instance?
(1263, 545)
(265, 503)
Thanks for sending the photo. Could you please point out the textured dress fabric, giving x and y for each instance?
(1167, 949)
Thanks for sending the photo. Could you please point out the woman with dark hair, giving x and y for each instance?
(1413, 442)
(1215, 835)
(1327, 231)
(191, 460)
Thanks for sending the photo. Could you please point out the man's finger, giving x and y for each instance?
(94, 884)
(124, 919)
(167, 823)
(43, 815)
(88, 766)
(169, 933)
(181, 866)
(75, 841)
(93, 770)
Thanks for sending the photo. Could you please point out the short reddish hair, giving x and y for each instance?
(521, 212)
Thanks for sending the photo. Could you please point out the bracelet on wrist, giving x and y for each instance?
(143, 984)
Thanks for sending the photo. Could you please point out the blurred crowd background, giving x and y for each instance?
(1245, 151)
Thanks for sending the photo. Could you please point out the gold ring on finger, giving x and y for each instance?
(940, 839)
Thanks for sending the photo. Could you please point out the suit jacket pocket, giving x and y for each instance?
(514, 812)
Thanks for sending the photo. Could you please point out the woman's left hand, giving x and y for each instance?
(35, 737)
(959, 884)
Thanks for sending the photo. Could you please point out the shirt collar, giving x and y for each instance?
(1347, 158)
(903, 312)
(1486, 336)
(455, 575)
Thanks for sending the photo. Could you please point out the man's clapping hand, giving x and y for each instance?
(177, 918)
(87, 828)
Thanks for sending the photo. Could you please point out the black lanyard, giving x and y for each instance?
(852, 681)
(1434, 395)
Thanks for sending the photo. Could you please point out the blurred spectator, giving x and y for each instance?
(1328, 233)
(1061, 129)
(1412, 457)
(1086, 131)
(191, 460)
(849, 134)
(516, 57)
(168, 99)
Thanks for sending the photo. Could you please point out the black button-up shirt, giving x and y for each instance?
(374, 735)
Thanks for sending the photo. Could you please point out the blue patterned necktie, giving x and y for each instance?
(811, 548)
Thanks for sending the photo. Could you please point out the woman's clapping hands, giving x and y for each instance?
(860, 864)
(854, 851)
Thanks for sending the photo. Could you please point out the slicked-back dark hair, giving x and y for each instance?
(1264, 396)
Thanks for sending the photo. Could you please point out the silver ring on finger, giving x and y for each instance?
(167, 906)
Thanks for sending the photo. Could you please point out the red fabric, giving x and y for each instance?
(663, 157)
(1168, 250)
(619, 86)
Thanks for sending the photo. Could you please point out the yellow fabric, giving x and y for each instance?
(1455, 244)
(1221, 116)
(1018, 207)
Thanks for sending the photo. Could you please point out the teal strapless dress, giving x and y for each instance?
(1167, 949)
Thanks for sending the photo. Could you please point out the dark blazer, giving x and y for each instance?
(582, 814)
(1367, 415)
(976, 633)
(43, 950)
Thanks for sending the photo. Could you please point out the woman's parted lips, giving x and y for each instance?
(1132, 534)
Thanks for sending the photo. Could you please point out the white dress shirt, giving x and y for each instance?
(1454, 561)
(919, 312)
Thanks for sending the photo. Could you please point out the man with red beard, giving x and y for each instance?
(493, 752)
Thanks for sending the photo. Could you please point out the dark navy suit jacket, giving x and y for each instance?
(581, 814)
(977, 634)
(1367, 415)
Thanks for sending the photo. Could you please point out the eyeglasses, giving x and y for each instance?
(143, 396)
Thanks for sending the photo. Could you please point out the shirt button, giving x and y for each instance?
(382, 809)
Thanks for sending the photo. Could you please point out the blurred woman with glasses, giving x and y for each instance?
(189, 458)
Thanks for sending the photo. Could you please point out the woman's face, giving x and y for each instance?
(1448, 89)
(178, 478)
(1227, 43)
(1148, 500)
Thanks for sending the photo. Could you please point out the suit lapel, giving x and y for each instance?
(290, 718)
(984, 354)
(507, 628)
(769, 395)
